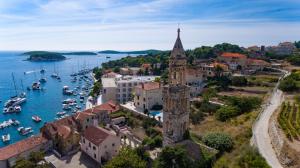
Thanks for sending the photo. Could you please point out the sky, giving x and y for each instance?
(144, 24)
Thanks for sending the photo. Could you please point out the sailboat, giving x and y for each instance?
(36, 85)
(43, 79)
(42, 71)
(17, 99)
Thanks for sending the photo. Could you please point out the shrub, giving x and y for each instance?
(239, 81)
(251, 158)
(226, 112)
(153, 142)
(288, 85)
(219, 141)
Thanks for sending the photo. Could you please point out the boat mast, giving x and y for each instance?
(13, 77)
(22, 85)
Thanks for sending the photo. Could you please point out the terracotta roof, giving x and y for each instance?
(110, 75)
(21, 146)
(146, 66)
(109, 107)
(81, 116)
(233, 55)
(95, 135)
(149, 86)
(63, 131)
(62, 127)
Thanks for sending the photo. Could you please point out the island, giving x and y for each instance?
(79, 53)
(151, 51)
(44, 56)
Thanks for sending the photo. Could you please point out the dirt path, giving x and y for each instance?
(261, 137)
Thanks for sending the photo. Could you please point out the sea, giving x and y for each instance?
(44, 103)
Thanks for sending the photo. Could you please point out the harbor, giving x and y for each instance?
(50, 90)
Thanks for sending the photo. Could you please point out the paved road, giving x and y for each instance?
(261, 135)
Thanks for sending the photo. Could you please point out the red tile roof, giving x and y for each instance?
(149, 86)
(62, 127)
(110, 75)
(81, 116)
(145, 66)
(21, 146)
(109, 106)
(233, 55)
(95, 135)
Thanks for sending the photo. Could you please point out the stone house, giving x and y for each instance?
(64, 134)
(235, 61)
(100, 144)
(195, 80)
(147, 95)
(22, 149)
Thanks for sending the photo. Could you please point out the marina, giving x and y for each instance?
(46, 98)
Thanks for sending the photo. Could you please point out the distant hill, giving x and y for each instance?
(79, 53)
(44, 56)
(130, 52)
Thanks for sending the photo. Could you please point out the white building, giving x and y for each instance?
(146, 95)
(120, 89)
(100, 144)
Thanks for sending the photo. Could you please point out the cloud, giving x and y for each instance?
(141, 24)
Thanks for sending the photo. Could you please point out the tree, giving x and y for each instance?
(227, 112)
(35, 157)
(209, 93)
(126, 158)
(219, 141)
(250, 157)
(22, 163)
(173, 157)
(157, 79)
(288, 85)
(239, 81)
(218, 71)
(96, 89)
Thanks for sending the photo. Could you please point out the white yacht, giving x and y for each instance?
(12, 109)
(6, 138)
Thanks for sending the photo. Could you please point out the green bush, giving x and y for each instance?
(153, 142)
(251, 158)
(288, 85)
(239, 81)
(126, 158)
(219, 141)
(227, 112)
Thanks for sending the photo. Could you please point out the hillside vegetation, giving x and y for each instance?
(44, 56)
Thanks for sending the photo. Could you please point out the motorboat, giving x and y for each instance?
(69, 101)
(66, 107)
(43, 80)
(14, 101)
(15, 122)
(67, 91)
(54, 75)
(12, 109)
(36, 86)
(42, 70)
(36, 118)
(25, 131)
(6, 137)
(61, 113)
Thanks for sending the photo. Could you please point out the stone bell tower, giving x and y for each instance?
(176, 97)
